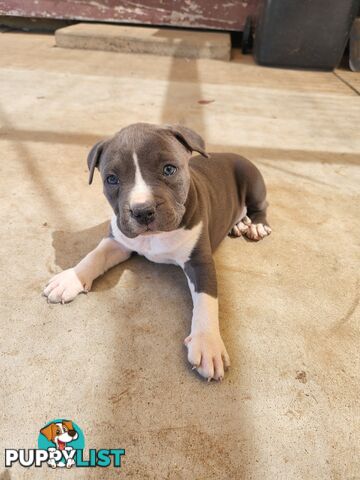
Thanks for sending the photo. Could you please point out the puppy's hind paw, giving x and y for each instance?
(258, 231)
(252, 231)
(241, 228)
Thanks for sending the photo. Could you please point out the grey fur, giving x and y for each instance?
(212, 188)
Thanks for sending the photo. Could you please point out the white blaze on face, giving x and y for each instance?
(61, 427)
(141, 192)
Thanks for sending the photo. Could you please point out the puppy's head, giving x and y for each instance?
(60, 433)
(145, 173)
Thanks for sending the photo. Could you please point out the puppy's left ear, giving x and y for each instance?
(68, 424)
(190, 139)
(93, 158)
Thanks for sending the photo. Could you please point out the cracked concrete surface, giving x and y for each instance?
(113, 361)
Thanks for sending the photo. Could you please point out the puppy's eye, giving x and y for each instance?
(169, 170)
(112, 180)
(58, 432)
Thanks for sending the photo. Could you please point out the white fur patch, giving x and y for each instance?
(60, 425)
(163, 247)
(206, 311)
(141, 192)
(206, 349)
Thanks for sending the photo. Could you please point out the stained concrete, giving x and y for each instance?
(113, 361)
(157, 41)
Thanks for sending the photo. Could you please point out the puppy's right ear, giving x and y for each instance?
(94, 158)
(47, 431)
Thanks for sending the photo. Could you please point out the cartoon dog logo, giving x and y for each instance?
(60, 434)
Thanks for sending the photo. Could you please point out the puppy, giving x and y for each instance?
(172, 207)
(60, 433)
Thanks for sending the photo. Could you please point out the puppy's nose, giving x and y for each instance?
(72, 433)
(144, 213)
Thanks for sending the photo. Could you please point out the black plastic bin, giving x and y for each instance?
(304, 33)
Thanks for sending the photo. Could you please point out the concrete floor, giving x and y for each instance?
(113, 361)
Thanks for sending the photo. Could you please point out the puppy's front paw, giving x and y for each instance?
(64, 287)
(52, 463)
(70, 463)
(207, 354)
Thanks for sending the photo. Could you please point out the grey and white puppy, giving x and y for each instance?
(172, 207)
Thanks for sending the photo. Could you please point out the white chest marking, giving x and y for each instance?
(164, 247)
(141, 192)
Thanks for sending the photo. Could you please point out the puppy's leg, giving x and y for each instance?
(252, 223)
(70, 459)
(51, 462)
(66, 285)
(206, 349)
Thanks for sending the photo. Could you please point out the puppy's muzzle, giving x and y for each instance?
(143, 213)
